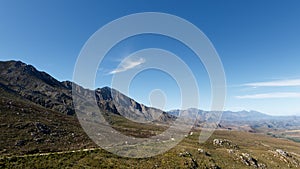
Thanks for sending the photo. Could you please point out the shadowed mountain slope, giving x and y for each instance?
(39, 87)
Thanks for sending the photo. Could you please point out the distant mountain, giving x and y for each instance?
(252, 121)
(244, 116)
(235, 116)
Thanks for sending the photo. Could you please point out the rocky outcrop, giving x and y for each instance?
(190, 162)
(286, 157)
(283, 153)
(237, 154)
(246, 159)
(225, 143)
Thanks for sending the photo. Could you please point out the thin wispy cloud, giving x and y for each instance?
(277, 83)
(127, 65)
(277, 95)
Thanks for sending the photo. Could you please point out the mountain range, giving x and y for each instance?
(40, 88)
(37, 115)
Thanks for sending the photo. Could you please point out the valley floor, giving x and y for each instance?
(225, 149)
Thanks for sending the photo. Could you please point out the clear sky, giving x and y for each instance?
(258, 43)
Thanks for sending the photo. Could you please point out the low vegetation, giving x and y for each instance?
(225, 149)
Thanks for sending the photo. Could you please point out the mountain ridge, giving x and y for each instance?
(41, 88)
(17, 77)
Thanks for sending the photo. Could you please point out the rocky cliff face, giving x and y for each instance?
(110, 99)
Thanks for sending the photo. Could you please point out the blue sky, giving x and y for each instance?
(258, 43)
